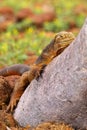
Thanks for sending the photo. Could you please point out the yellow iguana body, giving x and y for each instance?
(57, 45)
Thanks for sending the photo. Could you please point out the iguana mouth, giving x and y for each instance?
(67, 41)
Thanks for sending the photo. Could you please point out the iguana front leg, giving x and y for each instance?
(21, 85)
(19, 88)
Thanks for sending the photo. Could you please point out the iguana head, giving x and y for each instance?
(56, 47)
(63, 39)
(60, 42)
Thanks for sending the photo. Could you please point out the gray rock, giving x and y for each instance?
(61, 92)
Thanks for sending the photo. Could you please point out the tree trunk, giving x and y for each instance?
(61, 93)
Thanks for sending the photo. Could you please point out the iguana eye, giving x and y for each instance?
(61, 36)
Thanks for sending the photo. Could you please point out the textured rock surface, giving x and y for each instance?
(61, 92)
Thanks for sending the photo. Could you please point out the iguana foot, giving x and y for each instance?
(14, 100)
(12, 105)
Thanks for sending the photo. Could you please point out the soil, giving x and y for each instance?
(53, 126)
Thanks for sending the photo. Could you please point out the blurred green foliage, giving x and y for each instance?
(66, 15)
(14, 46)
(13, 49)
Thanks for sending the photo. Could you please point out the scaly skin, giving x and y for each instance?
(17, 69)
(57, 45)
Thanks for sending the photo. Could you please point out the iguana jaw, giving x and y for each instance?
(66, 43)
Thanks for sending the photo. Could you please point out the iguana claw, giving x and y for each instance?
(10, 107)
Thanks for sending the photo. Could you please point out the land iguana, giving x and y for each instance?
(56, 46)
